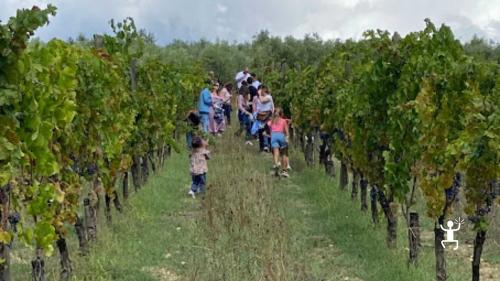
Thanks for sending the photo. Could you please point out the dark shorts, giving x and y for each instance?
(199, 182)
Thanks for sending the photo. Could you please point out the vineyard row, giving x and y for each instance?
(402, 114)
(75, 119)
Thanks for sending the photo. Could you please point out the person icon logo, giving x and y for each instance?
(450, 232)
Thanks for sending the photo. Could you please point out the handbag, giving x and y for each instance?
(263, 116)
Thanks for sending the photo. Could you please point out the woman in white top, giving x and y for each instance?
(264, 106)
(265, 101)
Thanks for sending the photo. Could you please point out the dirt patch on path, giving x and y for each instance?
(162, 273)
(489, 271)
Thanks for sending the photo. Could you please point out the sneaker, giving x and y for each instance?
(284, 174)
(191, 193)
(266, 149)
(249, 143)
(289, 168)
(276, 166)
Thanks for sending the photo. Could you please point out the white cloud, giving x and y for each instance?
(240, 20)
(351, 3)
(221, 8)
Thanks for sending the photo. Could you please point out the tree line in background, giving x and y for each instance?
(266, 53)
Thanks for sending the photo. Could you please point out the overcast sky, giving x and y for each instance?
(238, 20)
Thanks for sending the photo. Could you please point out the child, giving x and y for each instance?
(279, 140)
(198, 166)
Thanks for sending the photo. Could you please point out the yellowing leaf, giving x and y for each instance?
(5, 236)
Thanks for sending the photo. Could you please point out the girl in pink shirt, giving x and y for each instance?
(279, 140)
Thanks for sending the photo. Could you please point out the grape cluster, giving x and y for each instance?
(454, 189)
(91, 169)
(14, 219)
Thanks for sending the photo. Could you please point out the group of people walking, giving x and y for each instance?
(258, 117)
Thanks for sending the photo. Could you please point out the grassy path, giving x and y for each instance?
(251, 226)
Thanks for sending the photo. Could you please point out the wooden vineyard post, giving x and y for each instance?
(5, 266)
(125, 185)
(65, 261)
(363, 186)
(373, 203)
(38, 267)
(414, 237)
(343, 176)
(390, 212)
(4, 248)
(144, 168)
(478, 248)
(136, 172)
(151, 157)
(116, 201)
(309, 150)
(439, 252)
(323, 150)
(354, 184)
(97, 193)
(90, 219)
(82, 235)
(329, 165)
(107, 198)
